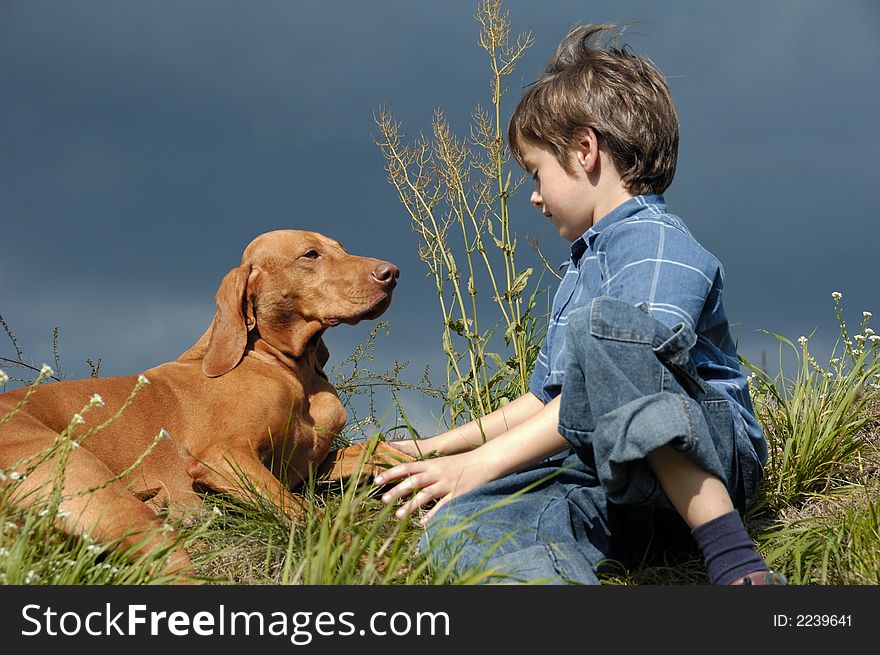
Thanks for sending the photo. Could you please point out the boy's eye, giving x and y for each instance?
(312, 254)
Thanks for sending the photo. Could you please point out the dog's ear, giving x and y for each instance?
(231, 324)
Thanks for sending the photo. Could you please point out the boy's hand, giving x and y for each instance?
(440, 479)
(412, 448)
(532, 440)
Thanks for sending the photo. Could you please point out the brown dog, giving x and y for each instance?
(248, 407)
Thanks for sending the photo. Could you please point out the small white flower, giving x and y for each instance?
(15, 475)
(74, 444)
(837, 295)
(96, 549)
(4, 552)
(30, 577)
(163, 435)
(867, 314)
(860, 338)
(217, 511)
(835, 361)
(142, 379)
(3, 477)
(802, 340)
(63, 513)
(829, 375)
(9, 525)
(857, 351)
(3, 378)
(875, 338)
(46, 370)
(167, 528)
(43, 512)
(78, 419)
(96, 401)
(869, 331)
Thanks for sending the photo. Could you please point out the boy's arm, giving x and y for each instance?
(442, 479)
(529, 442)
(652, 262)
(471, 435)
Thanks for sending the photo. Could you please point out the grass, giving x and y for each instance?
(347, 538)
(816, 517)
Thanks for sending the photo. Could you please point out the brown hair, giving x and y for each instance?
(620, 94)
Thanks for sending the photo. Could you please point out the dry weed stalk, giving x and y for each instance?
(457, 193)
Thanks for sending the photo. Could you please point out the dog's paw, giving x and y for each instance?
(361, 462)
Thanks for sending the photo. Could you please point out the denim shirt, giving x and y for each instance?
(644, 255)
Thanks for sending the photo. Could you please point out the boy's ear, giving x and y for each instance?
(586, 146)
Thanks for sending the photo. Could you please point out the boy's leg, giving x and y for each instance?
(702, 500)
(547, 525)
(697, 495)
(656, 436)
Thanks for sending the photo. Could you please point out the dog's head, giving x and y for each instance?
(290, 287)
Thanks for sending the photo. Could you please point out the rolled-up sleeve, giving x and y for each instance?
(540, 374)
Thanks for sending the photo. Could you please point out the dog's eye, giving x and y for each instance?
(312, 254)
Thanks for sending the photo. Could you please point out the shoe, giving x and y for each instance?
(761, 578)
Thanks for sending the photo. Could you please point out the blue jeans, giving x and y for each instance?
(630, 388)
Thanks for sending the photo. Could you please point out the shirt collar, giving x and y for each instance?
(620, 213)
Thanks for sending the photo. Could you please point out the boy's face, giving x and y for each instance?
(567, 199)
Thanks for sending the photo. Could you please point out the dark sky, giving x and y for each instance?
(144, 144)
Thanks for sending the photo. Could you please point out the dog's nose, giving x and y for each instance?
(386, 273)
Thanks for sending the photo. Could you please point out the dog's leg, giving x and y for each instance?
(359, 460)
(90, 506)
(177, 504)
(239, 473)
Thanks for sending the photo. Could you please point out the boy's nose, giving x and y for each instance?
(536, 199)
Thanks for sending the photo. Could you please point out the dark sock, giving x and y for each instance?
(727, 549)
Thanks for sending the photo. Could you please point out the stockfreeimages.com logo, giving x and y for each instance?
(300, 627)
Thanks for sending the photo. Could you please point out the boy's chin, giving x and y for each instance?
(569, 233)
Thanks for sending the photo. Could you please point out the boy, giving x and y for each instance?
(637, 377)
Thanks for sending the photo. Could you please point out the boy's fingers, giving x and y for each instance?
(440, 503)
(420, 499)
(396, 472)
(409, 447)
(410, 484)
(401, 446)
(393, 494)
